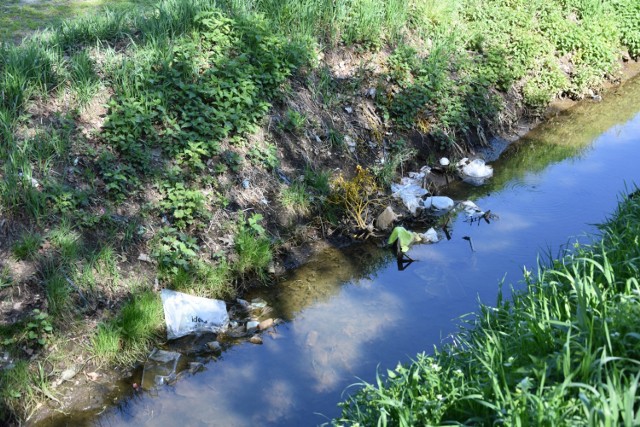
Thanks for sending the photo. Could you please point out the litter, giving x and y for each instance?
(438, 203)
(406, 238)
(475, 172)
(471, 210)
(186, 314)
(160, 368)
(410, 191)
(403, 236)
(429, 236)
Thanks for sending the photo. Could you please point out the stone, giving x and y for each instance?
(258, 303)
(266, 324)
(386, 219)
(444, 161)
(255, 339)
(68, 374)
(144, 257)
(214, 346)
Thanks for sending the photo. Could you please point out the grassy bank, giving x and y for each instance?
(183, 144)
(564, 351)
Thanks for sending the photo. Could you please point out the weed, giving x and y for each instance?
(267, 156)
(356, 196)
(186, 206)
(558, 352)
(318, 181)
(27, 246)
(175, 250)
(294, 121)
(296, 198)
(129, 335)
(84, 81)
(58, 294)
(17, 390)
(253, 249)
(232, 160)
(66, 241)
(5, 278)
(387, 172)
(38, 329)
(140, 317)
(105, 344)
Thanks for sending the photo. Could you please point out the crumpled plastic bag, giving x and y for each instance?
(186, 314)
(410, 192)
(475, 172)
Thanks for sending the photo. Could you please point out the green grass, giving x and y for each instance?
(254, 252)
(27, 246)
(296, 198)
(20, 18)
(25, 384)
(132, 332)
(66, 240)
(564, 351)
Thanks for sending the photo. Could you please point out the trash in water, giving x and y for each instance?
(186, 314)
(429, 236)
(403, 236)
(475, 172)
(252, 325)
(406, 238)
(438, 203)
(471, 210)
(410, 191)
(160, 368)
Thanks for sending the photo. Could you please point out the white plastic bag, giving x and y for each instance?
(438, 203)
(185, 314)
(476, 172)
(410, 191)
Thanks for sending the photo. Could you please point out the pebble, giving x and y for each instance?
(256, 339)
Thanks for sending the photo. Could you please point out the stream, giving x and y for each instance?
(350, 313)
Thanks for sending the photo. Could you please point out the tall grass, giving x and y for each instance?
(565, 351)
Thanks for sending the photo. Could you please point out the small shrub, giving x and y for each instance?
(185, 206)
(174, 250)
(294, 121)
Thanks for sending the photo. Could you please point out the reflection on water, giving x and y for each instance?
(350, 312)
(324, 276)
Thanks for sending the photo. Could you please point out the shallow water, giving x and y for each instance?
(351, 312)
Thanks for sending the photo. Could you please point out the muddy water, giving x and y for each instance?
(350, 312)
